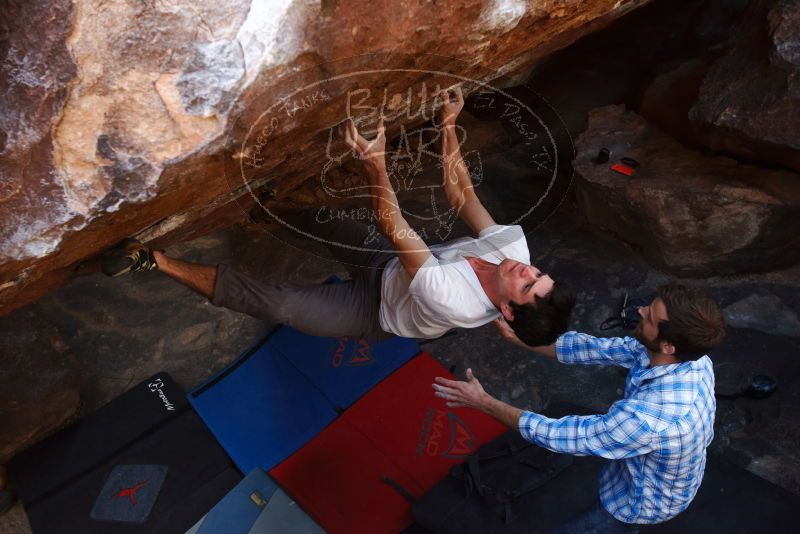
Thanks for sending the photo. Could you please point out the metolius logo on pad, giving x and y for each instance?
(157, 387)
(285, 149)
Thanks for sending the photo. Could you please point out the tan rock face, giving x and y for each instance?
(116, 113)
(679, 205)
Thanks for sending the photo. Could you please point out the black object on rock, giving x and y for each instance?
(761, 387)
(630, 162)
(603, 156)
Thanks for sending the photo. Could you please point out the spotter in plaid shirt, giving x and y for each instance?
(656, 436)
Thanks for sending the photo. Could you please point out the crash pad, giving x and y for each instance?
(256, 506)
(177, 471)
(71, 452)
(261, 408)
(344, 368)
(346, 484)
(363, 471)
(407, 423)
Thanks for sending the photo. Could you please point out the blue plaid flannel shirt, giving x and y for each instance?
(655, 437)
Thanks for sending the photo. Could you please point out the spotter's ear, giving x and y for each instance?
(508, 313)
(667, 348)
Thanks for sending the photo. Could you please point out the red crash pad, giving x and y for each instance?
(345, 483)
(404, 419)
(397, 439)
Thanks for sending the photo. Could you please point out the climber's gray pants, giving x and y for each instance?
(331, 310)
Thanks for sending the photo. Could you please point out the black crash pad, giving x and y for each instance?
(59, 459)
(198, 475)
(148, 429)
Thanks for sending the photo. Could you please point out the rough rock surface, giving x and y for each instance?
(670, 96)
(679, 205)
(40, 385)
(620, 63)
(115, 113)
(763, 312)
(749, 103)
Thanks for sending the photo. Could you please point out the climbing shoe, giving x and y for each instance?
(129, 256)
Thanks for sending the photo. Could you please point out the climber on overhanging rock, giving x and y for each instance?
(398, 286)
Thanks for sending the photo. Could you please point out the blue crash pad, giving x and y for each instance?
(256, 506)
(239, 509)
(343, 369)
(261, 408)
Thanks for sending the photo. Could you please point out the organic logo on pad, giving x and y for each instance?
(352, 352)
(130, 493)
(445, 434)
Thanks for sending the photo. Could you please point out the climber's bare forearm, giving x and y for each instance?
(411, 249)
(458, 183)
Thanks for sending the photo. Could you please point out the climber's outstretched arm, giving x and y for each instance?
(456, 180)
(411, 249)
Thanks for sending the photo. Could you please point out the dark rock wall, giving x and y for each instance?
(749, 103)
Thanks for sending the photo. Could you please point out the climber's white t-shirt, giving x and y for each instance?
(446, 293)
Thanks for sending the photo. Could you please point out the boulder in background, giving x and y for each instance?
(749, 103)
(689, 213)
